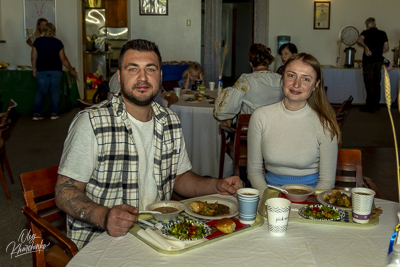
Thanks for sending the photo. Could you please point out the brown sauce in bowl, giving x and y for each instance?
(297, 191)
(165, 210)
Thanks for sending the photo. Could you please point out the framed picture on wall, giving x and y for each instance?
(322, 15)
(153, 7)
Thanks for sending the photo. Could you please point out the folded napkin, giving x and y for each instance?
(156, 238)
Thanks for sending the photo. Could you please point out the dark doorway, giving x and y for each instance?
(237, 29)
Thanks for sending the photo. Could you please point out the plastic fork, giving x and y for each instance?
(158, 226)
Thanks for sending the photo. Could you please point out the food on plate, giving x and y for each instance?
(165, 210)
(188, 92)
(297, 191)
(209, 209)
(338, 198)
(226, 225)
(199, 97)
(187, 230)
(321, 212)
(376, 212)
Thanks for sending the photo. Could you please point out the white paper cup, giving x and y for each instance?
(248, 204)
(278, 210)
(211, 85)
(177, 91)
(361, 202)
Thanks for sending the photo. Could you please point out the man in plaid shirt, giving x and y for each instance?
(125, 153)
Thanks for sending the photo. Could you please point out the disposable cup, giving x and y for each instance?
(211, 85)
(361, 202)
(177, 91)
(278, 210)
(248, 203)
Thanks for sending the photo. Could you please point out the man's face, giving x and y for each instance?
(140, 77)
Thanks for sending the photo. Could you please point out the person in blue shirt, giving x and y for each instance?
(190, 75)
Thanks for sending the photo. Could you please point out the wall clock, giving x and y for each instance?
(349, 35)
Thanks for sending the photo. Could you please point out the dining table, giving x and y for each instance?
(304, 244)
(200, 130)
(343, 82)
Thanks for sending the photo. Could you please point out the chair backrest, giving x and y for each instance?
(349, 169)
(5, 120)
(343, 110)
(38, 189)
(236, 148)
(241, 135)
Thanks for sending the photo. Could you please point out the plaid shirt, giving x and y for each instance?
(114, 180)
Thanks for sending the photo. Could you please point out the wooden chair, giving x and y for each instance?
(83, 104)
(236, 149)
(42, 213)
(343, 110)
(349, 171)
(5, 121)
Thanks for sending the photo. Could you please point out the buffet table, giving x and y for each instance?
(305, 244)
(343, 82)
(200, 129)
(21, 86)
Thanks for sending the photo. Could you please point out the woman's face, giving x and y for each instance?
(299, 81)
(41, 25)
(285, 55)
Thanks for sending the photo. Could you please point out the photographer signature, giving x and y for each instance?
(26, 244)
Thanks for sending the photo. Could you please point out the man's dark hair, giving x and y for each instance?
(140, 45)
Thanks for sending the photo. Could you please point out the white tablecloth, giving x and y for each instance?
(303, 245)
(200, 130)
(345, 82)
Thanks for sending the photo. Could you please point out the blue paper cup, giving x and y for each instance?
(248, 202)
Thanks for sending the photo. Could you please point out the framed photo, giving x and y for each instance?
(153, 7)
(322, 15)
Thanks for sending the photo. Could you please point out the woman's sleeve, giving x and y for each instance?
(255, 171)
(229, 102)
(328, 152)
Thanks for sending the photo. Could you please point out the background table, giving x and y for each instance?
(304, 244)
(342, 83)
(21, 86)
(200, 129)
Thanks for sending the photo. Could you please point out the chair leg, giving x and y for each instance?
(7, 164)
(3, 182)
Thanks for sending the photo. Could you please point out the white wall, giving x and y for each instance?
(295, 18)
(175, 40)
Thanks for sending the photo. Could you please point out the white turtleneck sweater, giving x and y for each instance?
(291, 143)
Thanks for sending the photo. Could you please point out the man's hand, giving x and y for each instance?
(120, 219)
(229, 185)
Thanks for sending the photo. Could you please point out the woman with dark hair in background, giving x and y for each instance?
(286, 51)
(251, 90)
(47, 58)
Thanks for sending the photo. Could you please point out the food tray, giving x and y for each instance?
(214, 237)
(295, 217)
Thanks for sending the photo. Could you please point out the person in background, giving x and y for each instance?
(375, 42)
(286, 51)
(297, 138)
(47, 57)
(190, 75)
(165, 99)
(251, 90)
(121, 155)
(38, 31)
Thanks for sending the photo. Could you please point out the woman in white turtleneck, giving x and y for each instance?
(297, 138)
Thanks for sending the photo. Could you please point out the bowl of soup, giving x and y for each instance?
(169, 209)
(298, 192)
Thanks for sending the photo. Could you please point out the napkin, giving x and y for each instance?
(156, 238)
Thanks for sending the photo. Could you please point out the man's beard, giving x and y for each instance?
(142, 101)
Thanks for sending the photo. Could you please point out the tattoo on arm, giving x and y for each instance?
(71, 198)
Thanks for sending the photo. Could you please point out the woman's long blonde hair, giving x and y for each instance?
(194, 67)
(318, 100)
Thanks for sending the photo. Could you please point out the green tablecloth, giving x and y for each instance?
(21, 86)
